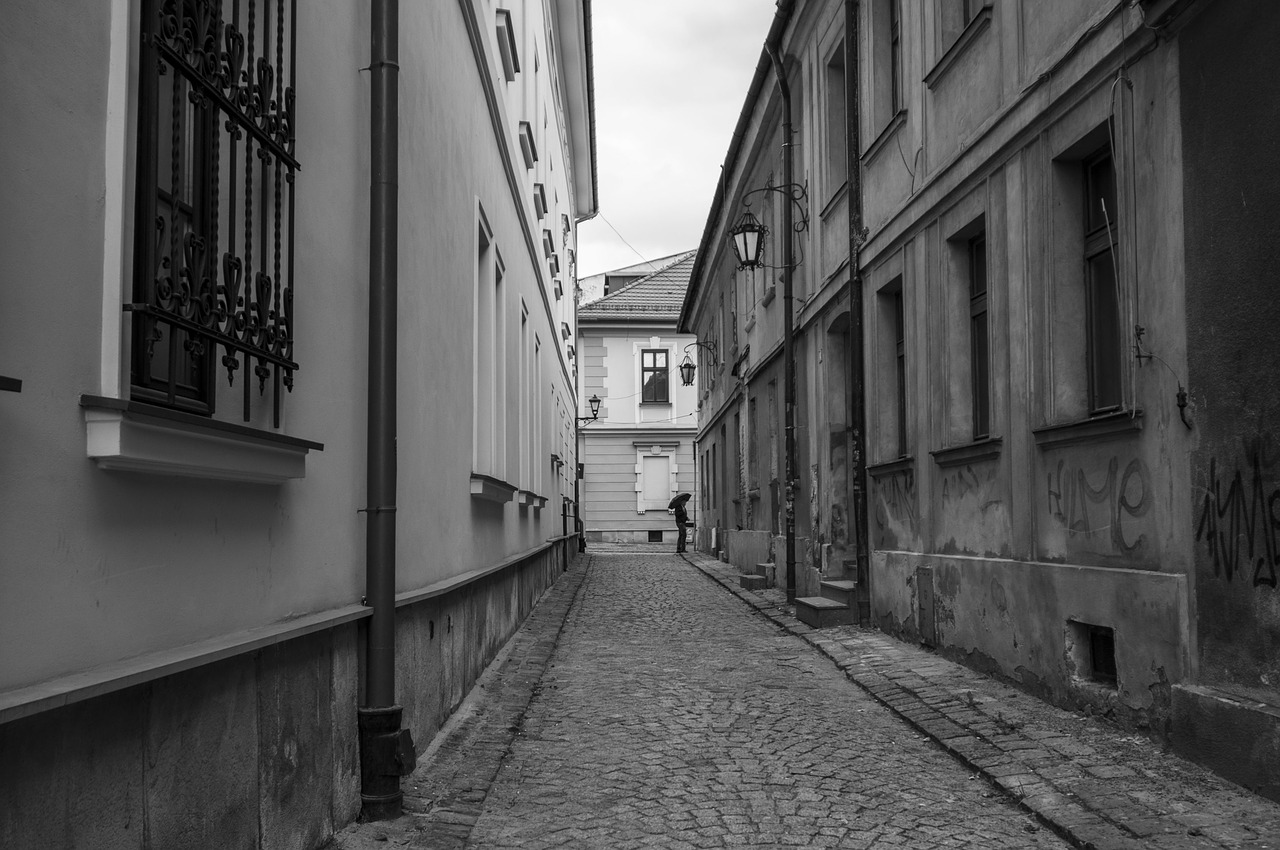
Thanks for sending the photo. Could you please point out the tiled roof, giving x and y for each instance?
(655, 297)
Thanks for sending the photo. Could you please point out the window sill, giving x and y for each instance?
(987, 448)
(529, 499)
(980, 23)
(895, 123)
(902, 464)
(134, 437)
(655, 404)
(1115, 424)
(491, 489)
(837, 194)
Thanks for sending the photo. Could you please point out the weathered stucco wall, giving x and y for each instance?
(1232, 203)
(1013, 619)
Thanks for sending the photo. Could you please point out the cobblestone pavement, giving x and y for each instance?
(643, 706)
(669, 719)
(1089, 781)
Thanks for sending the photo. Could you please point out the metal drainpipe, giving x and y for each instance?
(788, 342)
(857, 357)
(386, 750)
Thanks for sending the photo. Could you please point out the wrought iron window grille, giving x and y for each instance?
(214, 263)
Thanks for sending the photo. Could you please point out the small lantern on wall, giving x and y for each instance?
(686, 371)
(747, 237)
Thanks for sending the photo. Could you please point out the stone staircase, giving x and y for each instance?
(763, 576)
(837, 606)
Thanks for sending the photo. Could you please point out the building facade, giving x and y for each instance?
(639, 453)
(184, 501)
(1065, 446)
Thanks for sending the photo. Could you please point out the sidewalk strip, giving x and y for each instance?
(1093, 785)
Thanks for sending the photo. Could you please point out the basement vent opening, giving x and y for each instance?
(1102, 652)
(1093, 649)
(655, 536)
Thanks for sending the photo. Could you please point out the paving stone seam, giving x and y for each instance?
(1057, 808)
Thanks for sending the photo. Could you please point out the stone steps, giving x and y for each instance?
(761, 577)
(819, 612)
(837, 606)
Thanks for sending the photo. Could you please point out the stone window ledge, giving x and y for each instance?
(1120, 423)
(901, 464)
(530, 499)
(979, 23)
(895, 123)
(985, 449)
(136, 437)
(491, 489)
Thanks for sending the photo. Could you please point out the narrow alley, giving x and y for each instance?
(643, 705)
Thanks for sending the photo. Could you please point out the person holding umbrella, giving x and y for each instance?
(682, 517)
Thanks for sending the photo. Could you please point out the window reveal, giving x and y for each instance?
(213, 254)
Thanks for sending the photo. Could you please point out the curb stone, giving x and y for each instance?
(1092, 785)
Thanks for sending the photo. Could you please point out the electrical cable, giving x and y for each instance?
(628, 244)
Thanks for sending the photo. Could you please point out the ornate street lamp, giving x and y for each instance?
(686, 371)
(747, 237)
(594, 401)
(687, 368)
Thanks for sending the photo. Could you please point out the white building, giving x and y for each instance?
(183, 496)
(639, 453)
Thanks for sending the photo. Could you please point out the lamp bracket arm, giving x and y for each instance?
(796, 193)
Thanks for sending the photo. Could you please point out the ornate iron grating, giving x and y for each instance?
(214, 261)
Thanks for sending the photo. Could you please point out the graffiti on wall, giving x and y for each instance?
(895, 506)
(977, 485)
(1240, 514)
(1102, 506)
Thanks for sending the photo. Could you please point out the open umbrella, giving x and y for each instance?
(680, 499)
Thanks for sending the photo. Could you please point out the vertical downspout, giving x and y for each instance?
(386, 750)
(857, 332)
(788, 349)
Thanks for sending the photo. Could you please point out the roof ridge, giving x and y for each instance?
(679, 258)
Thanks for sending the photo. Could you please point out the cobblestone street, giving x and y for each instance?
(644, 705)
(670, 717)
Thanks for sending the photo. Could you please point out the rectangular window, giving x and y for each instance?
(1102, 297)
(837, 132)
(654, 379)
(895, 57)
(485, 374)
(900, 371)
(979, 338)
(213, 274)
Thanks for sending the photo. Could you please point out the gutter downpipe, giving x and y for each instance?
(386, 750)
(788, 341)
(857, 331)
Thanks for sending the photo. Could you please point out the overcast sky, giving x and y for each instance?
(670, 80)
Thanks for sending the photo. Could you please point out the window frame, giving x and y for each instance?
(979, 336)
(663, 370)
(1103, 357)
